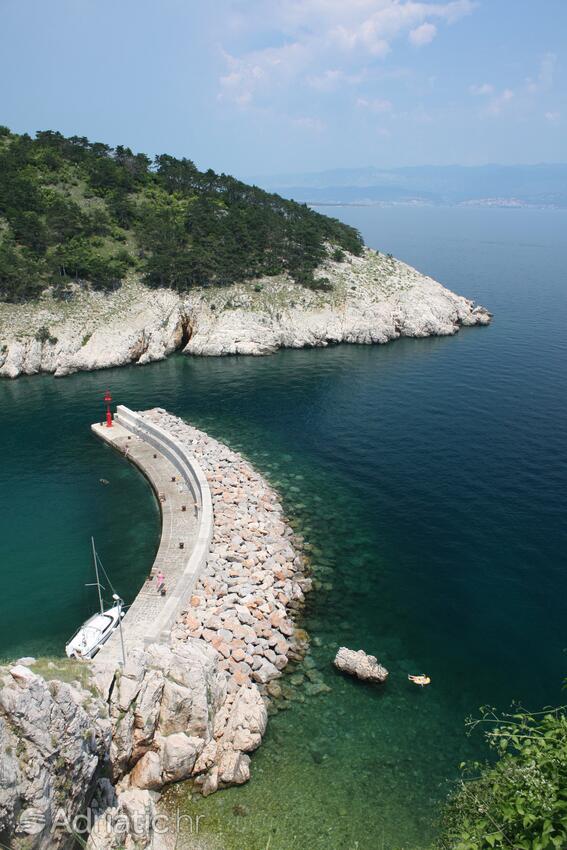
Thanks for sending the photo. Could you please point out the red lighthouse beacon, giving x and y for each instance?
(107, 401)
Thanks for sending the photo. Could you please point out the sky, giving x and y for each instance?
(254, 87)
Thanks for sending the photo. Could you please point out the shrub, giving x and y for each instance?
(318, 284)
(43, 335)
(520, 801)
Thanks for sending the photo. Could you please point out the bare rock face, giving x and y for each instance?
(127, 825)
(369, 299)
(195, 728)
(162, 709)
(53, 738)
(361, 665)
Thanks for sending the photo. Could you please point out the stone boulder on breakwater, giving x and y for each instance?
(360, 665)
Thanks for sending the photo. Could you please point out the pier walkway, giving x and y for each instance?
(187, 523)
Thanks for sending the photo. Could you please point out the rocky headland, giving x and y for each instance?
(191, 709)
(369, 299)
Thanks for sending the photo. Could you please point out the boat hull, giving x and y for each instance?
(94, 633)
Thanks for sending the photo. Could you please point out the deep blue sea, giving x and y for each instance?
(429, 478)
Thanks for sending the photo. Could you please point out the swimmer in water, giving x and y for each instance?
(420, 680)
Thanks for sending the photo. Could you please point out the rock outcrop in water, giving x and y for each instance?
(369, 299)
(361, 665)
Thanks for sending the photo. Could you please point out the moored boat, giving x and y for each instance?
(95, 631)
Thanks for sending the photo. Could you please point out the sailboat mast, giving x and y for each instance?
(95, 559)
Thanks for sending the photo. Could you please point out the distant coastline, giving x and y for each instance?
(542, 186)
(483, 203)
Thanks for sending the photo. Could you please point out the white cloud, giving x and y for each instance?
(374, 105)
(324, 43)
(261, 70)
(307, 122)
(544, 79)
(484, 89)
(528, 95)
(423, 34)
(498, 103)
(332, 78)
(553, 117)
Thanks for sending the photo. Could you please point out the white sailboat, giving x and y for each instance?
(95, 631)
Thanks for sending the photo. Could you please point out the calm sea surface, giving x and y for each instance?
(430, 479)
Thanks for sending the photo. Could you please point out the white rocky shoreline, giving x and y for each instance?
(193, 709)
(371, 299)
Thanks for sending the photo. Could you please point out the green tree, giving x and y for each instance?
(20, 273)
(186, 227)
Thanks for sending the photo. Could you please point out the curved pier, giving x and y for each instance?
(186, 529)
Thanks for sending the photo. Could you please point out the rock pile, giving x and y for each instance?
(254, 580)
(197, 707)
(360, 664)
(173, 719)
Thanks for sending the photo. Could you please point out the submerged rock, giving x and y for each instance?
(361, 665)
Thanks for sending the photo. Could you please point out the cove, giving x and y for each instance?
(429, 479)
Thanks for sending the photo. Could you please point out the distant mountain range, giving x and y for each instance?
(542, 185)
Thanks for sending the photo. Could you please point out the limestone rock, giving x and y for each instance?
(374, 299)
(162, 711)
(265, 672)
(247, 721)
(53, 738)
(234, 768)
(360, 664)
(128, 825)
(178, 756)
(147, 772)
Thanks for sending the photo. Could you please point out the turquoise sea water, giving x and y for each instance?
(429, 477)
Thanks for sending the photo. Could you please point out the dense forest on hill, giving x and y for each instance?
(75, 210)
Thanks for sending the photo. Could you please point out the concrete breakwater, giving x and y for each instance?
(193, 703)
(254, 579)
(186, 529)
(229, 574)
(191, 700)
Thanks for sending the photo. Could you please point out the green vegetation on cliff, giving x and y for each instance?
(71, 209)
(518, 802)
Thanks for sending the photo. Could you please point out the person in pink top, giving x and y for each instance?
(160, 580)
